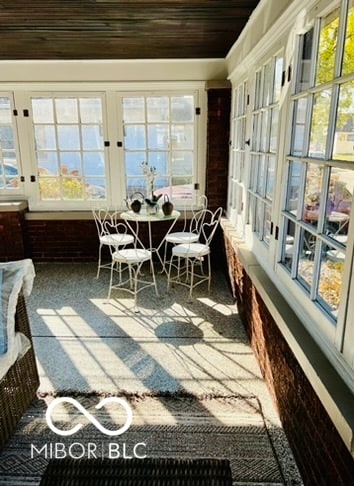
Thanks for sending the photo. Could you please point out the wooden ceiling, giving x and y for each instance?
(120, 29)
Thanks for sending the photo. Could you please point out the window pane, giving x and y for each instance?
(277, 78)
(133, 161)
(264, 136)
(267, 223)
(256, 132)
(49, 188)
(45, 137)
(330, 281)
(313, 189)
(72, 188)
(66, 110)
(70, 163)
(339, 204)
(182, 109)
(5, 110)
(273, 142)
(95, 188)
(306, 266)
(6, 137)
(344, 135)
(91, 137)
(134, 137)
(160, 161)
(182, 136)
(261, 176)
(348, 58)
(42, 110)
(136, 184)
(300, 108)
(259, 213)
(327, 47)
(157, 109)
(292, 201)
(157, 136)
(319, 123)
(90, 110)
(133, 110)
(270, 178)
(47, 163)
(288, 248)
(68, 137)
(305, 62)
(267, 84)
(181, 188)
(93, 164)
(182, 163)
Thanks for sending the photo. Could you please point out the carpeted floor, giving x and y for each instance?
(186, 368)
(185, 427)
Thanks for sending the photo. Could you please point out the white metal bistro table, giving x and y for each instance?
(130, 217)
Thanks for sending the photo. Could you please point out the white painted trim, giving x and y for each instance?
(107, 71)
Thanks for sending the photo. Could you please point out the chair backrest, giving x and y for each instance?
(101, 216)
(192, 209)
(118, 229)
(196, 223)
(209, 225)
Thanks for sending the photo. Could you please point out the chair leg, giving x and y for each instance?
(154, 279)
(99, 261)
(110, 280)
(209, 272)
(191, 277)
(169, 274)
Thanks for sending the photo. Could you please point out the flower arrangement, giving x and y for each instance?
(150, 173)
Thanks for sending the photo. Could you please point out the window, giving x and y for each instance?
(9, 161)
(237, 155)
(320, 175)
(160, 131)
(69, 147)
(86, 148)
(264, 147)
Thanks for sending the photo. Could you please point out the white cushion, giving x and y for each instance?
(131, 255)
(182, 237)
(193, 250)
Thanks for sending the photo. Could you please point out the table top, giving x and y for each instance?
(143, 216)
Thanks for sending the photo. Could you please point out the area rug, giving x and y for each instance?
(226, 428)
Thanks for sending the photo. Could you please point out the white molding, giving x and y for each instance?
(107, 71)
(268, 29)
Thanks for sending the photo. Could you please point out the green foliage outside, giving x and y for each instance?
(325, 73)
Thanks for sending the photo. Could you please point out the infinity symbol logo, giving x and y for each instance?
(92, 419)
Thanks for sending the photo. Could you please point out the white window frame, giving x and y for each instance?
(113, 133)
(334, 338)
(18, 190)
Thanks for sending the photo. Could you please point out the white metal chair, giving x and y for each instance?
(114, 239)
(127, 264)
(190, 231)
(188, 259)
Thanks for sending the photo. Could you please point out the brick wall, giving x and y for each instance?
(321, 455)
(13, 238)
(218, 135)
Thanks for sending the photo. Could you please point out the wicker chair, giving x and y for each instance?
(18, 387)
